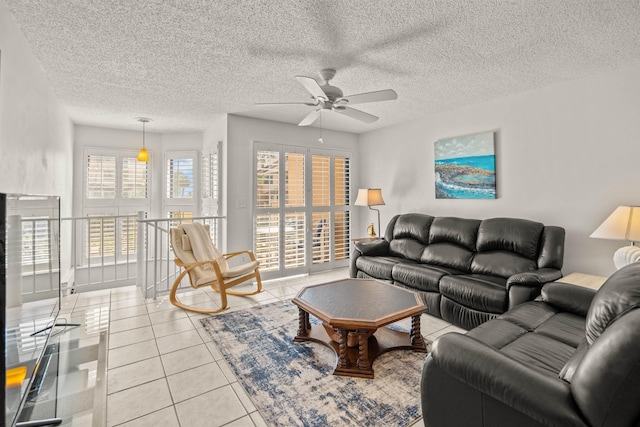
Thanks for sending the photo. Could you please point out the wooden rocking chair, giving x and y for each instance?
(206, 266)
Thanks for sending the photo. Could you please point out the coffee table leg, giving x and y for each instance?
(303, 323)
(363, 350)
(415, 334)
(343, 356)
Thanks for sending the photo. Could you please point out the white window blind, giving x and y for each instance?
(180, 178)
(320, 186)
(268, 241)
(206, 185)
(180, 217)
(294, 180)
(215, 176)
(342, 226)
(36, 245)
(101, 236)
(134, 178)
(128, 235)
(321, 250)
(268, 179)
(101, 177)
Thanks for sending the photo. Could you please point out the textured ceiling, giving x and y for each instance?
(183, 63)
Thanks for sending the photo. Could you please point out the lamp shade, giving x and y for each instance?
(622, 224)
(369, 197)
(143, 155)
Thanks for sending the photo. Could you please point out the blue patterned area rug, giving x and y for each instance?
(292, 384)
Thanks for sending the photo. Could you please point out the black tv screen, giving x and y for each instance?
(30, 297)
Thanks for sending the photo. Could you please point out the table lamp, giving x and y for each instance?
(622, 224)
(370, 197)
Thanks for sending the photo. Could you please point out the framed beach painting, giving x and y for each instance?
(465, 167)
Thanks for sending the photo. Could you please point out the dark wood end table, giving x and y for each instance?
(354, 313)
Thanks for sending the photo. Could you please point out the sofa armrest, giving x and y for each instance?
(567, 297)
(523, 287)
(481, 367)
(535, 278)
(373, 248)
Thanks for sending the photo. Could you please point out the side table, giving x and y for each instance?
(582, 279)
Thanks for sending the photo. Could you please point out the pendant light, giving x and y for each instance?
(143, 155)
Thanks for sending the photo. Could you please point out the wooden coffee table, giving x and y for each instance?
(354, 313)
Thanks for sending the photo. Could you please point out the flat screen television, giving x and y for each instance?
(30, 296)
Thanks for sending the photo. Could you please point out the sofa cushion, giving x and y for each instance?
(540, 351)
(460, 231)
(420, 276)
(515, 235)
(380, 266)
(530, 315)
(617, 296)
(476, 291)
(410, 236)
(501, 263)
(564, 327)
(497, 332)
(448, 255)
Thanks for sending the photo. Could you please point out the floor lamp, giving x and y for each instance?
(622, 224)
(370, 197)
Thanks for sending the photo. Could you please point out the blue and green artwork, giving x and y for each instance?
(466, 167)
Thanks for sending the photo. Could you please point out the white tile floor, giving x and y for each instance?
(163, 369)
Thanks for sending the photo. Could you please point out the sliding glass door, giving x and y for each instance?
(301, 209)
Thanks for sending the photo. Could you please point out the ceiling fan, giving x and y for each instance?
(331, 98)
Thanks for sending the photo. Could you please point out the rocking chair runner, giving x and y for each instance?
(206, 266)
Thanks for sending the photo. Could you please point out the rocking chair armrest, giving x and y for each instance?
(233, 254)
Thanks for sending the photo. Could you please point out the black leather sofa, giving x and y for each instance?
(467, 271)
(570, 359)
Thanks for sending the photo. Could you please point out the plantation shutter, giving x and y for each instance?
(36, 245)
(321, 198)
(295, 217)
(134, 178)
(342, 219)
(267, 205)
(179, 178)
(101, 177)
(180, 191)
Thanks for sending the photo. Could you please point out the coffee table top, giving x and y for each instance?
(353, 303)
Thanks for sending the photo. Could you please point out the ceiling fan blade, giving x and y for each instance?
(268, 104)
(377, 96)
(312, 86)
(311, 117)
(356, 114)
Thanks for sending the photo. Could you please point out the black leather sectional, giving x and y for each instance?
(571, 358)
(467, 271)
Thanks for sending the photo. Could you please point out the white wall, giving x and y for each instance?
(566, 155)
(36, 134)
(241, 133)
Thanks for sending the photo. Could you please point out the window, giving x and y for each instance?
(180, 179)
(101, 177)
(180, 191)
(134, 178)
(116, 188)
(301, 210)
(210, 174)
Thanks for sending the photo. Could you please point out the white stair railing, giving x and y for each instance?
(156, 269)
(121, 250)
